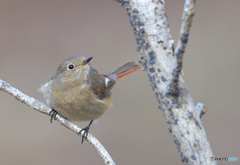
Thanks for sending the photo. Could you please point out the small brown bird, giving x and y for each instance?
(79, 92)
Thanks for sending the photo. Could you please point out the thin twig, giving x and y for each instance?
(39, 106)
(187, 16)
(188, 13)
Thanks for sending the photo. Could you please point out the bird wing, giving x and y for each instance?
(101, 85)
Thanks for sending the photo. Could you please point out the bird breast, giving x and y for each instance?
(78, 104)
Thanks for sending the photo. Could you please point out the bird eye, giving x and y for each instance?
(70, 67)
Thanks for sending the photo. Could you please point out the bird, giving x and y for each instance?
(78, 92)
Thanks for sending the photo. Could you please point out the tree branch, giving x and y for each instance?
(39, 106)
(188, 13)
(163, 66)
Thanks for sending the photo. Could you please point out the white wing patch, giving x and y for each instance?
(107, 81)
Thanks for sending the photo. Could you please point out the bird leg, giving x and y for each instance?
(86, 129)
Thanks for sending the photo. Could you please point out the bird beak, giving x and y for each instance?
(87, 60)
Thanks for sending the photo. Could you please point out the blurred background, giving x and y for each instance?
(36, 35)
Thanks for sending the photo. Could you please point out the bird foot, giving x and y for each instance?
(53, 113)
(85, 133)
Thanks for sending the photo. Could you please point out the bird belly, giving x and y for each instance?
(81, 105)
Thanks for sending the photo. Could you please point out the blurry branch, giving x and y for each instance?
(188, 13)
(39, 106)
(164, 67)
(187, 17)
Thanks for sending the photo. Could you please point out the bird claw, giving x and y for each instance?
(85, 133)
(53, 113)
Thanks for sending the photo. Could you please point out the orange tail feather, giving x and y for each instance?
(127, 72)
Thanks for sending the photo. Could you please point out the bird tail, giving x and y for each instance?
(125, 70)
